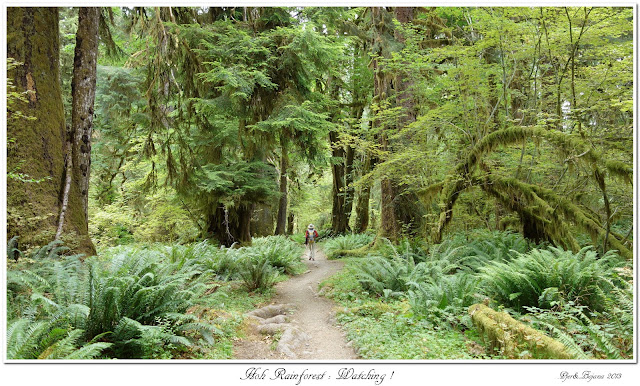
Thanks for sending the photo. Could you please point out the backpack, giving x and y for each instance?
(311, 235)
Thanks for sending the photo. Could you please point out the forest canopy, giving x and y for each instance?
(228, 123)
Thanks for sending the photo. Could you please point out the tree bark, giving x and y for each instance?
(262, 220)
(338, 217)
(281, 222)
(67, 187)
(382, 86)
(37, 147)
(83, 89)
(290, 221)
(348, 180)
(362, 205)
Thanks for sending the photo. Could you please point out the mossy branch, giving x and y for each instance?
(539, 204)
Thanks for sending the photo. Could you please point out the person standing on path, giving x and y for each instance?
(310, 237)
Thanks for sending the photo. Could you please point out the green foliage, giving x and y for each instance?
(535, 278)
(239, 180)
(601, 334)
(133, 301)
(334, 246)
(101, 297)
(256, 272)
(437, 290)
(260, 264)
(282, 253)
(390, 335)
(15, 99)
(28, 339)
(385, 328)
(486, 247)
(444, 299)
(160, 218)
(386, 277)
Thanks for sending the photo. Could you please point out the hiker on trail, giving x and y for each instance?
(310, 237)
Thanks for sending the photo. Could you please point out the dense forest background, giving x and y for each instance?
(403, 125)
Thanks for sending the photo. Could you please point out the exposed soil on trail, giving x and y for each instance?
(299, 324)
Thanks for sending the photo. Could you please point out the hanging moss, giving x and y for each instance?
(502, 332)
(570, 211)
(545, 216)
(621, 170)
(429, 193)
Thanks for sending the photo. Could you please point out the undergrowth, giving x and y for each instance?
(138, 301)
(582, 299)
(385, 327)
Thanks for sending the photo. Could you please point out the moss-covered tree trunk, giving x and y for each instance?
(349, 191)
(37, 147)
(262, 220)
(382, 86)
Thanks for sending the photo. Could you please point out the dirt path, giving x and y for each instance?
(310, 330)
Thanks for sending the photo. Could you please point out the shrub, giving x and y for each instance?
(135, 299)
(282, 253)
(601, 334)
(390, 269)
(112, 225)
(383, 276)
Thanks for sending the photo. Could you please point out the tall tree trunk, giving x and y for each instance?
(382, 86)
(362, 205)
(83, 89)
(349, 194)
(244, 223)
(389, 226)
(262, 220)
(338, 221)
(348, 180)
(37, 147)
(399, 208)
(290, 221)
(281, 221)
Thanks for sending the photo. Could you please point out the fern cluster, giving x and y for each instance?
(129, 302)
(29, 339)
(535, 278)
(119, 299)
(592, 334)
(334, 247)
(280, 252)
(486, 247)
(444, 299)
(436, 286)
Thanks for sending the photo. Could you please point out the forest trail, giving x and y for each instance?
(310, 331)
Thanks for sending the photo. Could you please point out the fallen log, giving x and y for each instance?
(511, 337)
